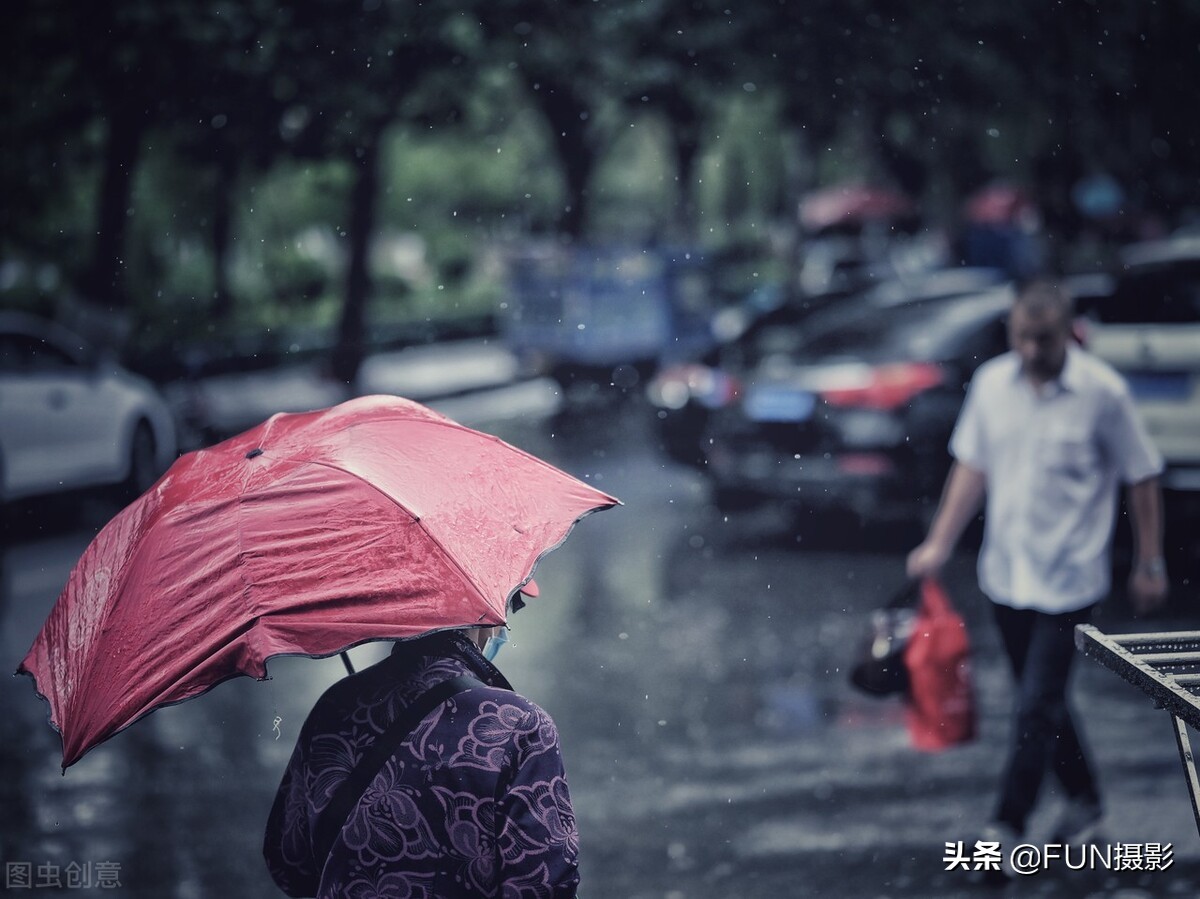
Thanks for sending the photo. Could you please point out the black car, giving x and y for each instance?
(854, 414)
(685, 395)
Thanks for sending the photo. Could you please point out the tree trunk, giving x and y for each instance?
(567, 117)
(222, 232)
(350, 349)
(903, 167)
(687, 148)
(104, 281)
(684, 122)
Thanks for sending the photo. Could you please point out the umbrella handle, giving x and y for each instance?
(346, 662)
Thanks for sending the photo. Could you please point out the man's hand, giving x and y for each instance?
(1148, 586)
(928, 559)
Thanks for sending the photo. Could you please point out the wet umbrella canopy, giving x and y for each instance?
(376, 519)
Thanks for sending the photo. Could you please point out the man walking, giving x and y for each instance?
(1046, 434)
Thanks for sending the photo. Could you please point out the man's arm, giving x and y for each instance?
(1148, 579)
(961, 501)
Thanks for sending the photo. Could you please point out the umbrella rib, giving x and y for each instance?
(102, 625)
(68, 703)
(542, 462)
(450, 423)
(416, 518)
(444, 422)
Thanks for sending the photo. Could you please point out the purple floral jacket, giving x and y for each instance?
(474, 803)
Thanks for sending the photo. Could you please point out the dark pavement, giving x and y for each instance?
(696, 667)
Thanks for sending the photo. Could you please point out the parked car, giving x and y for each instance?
(685, 395)
(855, 414)
(70, 419)
(1148, 327)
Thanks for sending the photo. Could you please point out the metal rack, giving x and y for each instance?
(1165, 666)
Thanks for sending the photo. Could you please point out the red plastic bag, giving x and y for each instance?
(940, 708)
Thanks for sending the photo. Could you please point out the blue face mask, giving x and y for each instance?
(494, 643)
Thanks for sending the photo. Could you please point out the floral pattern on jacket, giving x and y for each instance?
(473, 803)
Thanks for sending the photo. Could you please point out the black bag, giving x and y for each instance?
(879, 668)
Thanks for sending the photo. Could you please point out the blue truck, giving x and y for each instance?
(602, 319)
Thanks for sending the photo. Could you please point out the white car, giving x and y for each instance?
(1148, 327)
(70, 420)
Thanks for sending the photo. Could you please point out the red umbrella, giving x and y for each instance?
(853, 204)
(376, 519)
(999, 203)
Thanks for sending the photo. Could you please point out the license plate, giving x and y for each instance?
(1156, 385)
(779, 404)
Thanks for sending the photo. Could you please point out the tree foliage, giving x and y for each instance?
(103, 101)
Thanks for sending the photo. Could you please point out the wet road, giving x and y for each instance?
(696, 669)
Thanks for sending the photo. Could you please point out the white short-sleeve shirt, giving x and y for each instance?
(1052, 459)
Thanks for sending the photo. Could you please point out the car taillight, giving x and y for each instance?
(885, 386)
(710, 387)
(869, 464)
(723, 389)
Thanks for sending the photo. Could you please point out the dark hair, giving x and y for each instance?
(1044, 295)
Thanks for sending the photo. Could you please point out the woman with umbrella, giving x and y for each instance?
(377, 519)
(470, 801)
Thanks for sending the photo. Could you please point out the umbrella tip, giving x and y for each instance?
(254, 453)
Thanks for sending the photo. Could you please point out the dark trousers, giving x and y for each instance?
(1040, 650)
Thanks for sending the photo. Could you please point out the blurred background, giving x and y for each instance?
(734, 264)
(243, 178)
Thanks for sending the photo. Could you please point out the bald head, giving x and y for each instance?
(1039, 329)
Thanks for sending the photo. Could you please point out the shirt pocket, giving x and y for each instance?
(1068, 453)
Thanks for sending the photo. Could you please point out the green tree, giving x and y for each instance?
(353, 73)
(232, 125)
(96, 83)
(677, 61)
(558, 51)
